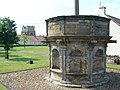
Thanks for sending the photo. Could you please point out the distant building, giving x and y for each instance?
(34, 40)
(31, 35)
(113, 48)
(28, 30)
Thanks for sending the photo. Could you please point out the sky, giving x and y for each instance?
(35, 12)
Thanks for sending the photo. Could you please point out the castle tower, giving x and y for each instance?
(28, 30)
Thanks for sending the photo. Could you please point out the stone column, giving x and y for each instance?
(76, 7)
(50, 54)
(63, 63)
(105, 56)
(90, 65)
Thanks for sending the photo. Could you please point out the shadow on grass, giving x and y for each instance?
(23, 59)
(17, 57)
(14, 50)
(2, 54)
(14, 55)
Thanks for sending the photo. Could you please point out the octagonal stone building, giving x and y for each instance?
(77, 49)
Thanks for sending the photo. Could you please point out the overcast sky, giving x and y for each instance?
(35, 12)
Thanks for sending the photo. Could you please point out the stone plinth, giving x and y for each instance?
(77, 49)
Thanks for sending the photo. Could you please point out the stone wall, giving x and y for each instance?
(78, 49)
(84, 25)
(77, 60)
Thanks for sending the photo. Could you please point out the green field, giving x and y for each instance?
(113, 66)
(18, 57)
(2, 87)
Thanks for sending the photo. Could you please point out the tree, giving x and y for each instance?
(24, 38)
(8, 35)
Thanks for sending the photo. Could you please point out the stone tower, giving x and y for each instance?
(77, 50)
(28, 30)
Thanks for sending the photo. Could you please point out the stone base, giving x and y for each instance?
(83, 85)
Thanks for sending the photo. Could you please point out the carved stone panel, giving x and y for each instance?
(70, 29)
(77, 64)
(80, 27)
(83, 28)
(74, 65)
(100, 28)
(54, 28)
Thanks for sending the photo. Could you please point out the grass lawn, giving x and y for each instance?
(113, 66)
(2, 87)
(18, 57)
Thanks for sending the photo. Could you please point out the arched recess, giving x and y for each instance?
(31, 34)
(76, 64)
(55, 59)
(98, 61)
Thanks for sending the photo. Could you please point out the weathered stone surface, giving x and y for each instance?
(78, 49)
(78, 25)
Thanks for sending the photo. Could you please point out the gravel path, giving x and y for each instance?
(34, 80)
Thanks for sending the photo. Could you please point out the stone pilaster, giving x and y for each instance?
(63, 63)
(90, 65)
(50, 59)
